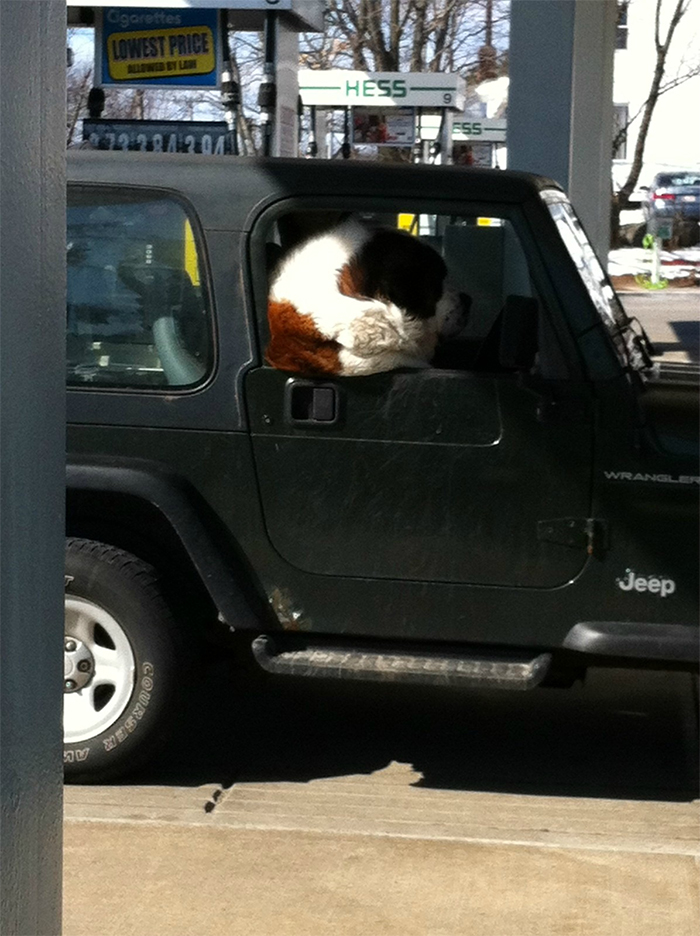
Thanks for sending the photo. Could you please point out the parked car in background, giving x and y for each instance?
(674, 197)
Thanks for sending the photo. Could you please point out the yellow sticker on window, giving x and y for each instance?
(407, 222)
(191, 263)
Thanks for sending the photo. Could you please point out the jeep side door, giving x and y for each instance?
(478, 473)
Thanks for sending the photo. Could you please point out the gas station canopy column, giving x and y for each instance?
(560, 107)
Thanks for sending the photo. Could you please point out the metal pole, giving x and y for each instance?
(32, 474)
(312, 148)
(267, 96)
(345, 148)
(230, 92)
(418, 144)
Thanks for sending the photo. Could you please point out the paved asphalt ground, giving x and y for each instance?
(672, 319)
(297, 808)
(311, 808)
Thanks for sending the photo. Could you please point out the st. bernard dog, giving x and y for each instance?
(356, 300)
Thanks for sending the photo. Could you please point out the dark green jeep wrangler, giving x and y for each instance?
(505, 520)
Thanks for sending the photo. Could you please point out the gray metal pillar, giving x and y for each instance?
(590, 158)
(321, 131)
(286, 122)
(539, 97)
(32, 477)
(560, 101)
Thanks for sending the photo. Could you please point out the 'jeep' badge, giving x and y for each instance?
(654, 584)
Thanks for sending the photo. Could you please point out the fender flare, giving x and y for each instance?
(174, 498)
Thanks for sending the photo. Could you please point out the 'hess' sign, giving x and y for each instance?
(345, 88)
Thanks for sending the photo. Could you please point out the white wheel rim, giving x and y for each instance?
(92, 709)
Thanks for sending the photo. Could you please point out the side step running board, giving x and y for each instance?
(425, 667)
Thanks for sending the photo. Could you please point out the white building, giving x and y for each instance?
(674, 135)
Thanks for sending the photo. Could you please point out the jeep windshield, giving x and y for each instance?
(631, 343)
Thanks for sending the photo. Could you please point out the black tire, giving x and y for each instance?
(124, 653)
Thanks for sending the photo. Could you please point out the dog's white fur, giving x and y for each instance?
(373, 335)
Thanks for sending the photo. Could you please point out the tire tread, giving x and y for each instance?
(144, 575)
(142, 583)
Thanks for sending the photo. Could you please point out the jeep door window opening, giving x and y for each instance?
(137, 312)
(482, 252)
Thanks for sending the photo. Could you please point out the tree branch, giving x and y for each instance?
(623, 195)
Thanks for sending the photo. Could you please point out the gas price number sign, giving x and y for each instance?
(159, 136)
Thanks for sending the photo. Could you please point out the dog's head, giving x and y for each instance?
(396, 267)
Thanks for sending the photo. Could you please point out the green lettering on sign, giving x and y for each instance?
(384, 86)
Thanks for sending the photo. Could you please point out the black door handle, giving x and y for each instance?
(307, 402)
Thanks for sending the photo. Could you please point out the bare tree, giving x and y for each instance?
(662, 43)
(78, 84)
(246, 58)
(250, 145)
(407, 35)
(411, 35)
(622, 131)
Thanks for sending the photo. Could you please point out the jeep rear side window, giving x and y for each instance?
(137, 312)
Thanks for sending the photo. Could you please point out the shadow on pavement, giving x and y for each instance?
(688, 334)
(630, 735)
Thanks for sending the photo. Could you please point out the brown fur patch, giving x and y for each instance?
(351, 280)
(296, 344)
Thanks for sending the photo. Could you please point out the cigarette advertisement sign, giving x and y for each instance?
(139, 47)
(394, 127)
